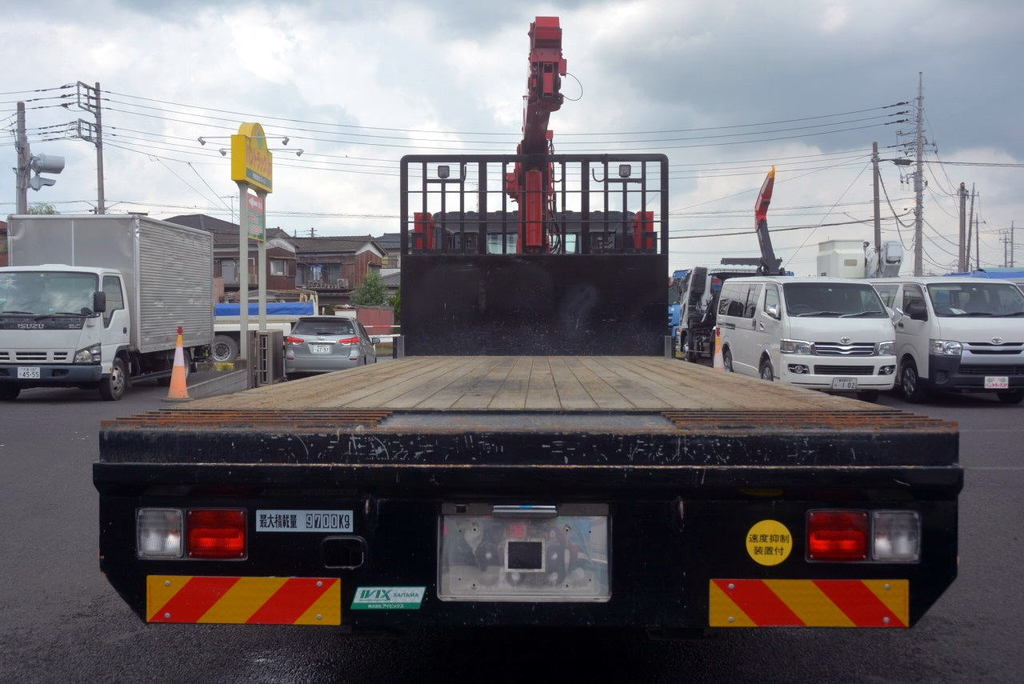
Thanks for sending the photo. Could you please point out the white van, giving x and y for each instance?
(822, 333)
(957, 333)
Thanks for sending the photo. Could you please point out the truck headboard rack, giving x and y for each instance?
(598, 287)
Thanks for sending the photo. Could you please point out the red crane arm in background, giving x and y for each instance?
(770, 264)
(529, 184)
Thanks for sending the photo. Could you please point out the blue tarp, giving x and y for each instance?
(998, 273)
(273, 309)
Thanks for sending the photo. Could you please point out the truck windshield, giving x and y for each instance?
(847, 300)
(44, 293)
(953, 300)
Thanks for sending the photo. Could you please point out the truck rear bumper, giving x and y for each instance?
(51, 375)
(677, 540)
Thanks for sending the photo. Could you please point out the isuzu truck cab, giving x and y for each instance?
(96, 301)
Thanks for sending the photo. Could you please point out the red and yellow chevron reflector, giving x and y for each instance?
(809, 603)
(244, 600)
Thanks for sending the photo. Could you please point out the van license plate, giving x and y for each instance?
(844, 384)
(32, 373)
(997, 382)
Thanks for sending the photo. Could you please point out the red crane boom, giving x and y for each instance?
(530, 185)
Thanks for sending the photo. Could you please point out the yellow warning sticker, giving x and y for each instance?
(769, 542)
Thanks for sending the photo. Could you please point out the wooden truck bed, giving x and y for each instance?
(532, 383)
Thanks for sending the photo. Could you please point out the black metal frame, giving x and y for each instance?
(607, 298)
(653, 172)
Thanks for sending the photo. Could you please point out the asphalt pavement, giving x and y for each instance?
(61, 621)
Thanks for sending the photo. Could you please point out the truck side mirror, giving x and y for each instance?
(99, 301)
(772, 310)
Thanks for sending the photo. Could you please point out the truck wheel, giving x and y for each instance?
(727, 359)
(910, 383)
(870, 396)
(767, 373)
(1010, 397)
(9, 392)
(223, 349)
(112, 387)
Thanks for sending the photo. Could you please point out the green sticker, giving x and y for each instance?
(388, 598)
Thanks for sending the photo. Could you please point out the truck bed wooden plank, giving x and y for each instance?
(512, 393)
(510, 383)
(483, 391)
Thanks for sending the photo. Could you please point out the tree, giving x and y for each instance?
(395, 302)
(42, 208)
(372, 292)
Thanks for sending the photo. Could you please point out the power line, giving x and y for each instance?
(832, 207)
(503, 134)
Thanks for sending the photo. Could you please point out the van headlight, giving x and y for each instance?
(887, 348)
(945, 347)
(795, 347)
(91, 354)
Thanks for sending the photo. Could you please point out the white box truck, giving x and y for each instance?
(96, 301)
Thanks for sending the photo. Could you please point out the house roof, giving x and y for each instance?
(392, 279)
(225, 233)
(390, 241)
(335, 244)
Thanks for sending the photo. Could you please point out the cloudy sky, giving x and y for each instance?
(725, 88)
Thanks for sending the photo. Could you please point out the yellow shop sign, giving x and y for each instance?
(251, 160)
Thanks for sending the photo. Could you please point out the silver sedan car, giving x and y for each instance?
(322, 344)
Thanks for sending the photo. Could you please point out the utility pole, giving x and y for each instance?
(977, 242)
(24, 157)
(970, 227)
(1011, 243)
(961, 263)
(878, 212)
(91, 103)
(919, 181)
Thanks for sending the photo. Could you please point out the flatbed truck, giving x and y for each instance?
(534, 458)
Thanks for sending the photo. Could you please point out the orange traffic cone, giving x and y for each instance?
(178, 390)
(718, 362)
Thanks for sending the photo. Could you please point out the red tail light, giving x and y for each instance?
(837, 535)
(216, 533)
(294, 340)
(349, 340)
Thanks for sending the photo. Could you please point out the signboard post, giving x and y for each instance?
(251, 167)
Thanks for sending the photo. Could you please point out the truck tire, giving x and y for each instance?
(910, 383)
(223, 349)
(9, 392)
(766, 371)
(1012, 397)
(727, 359)
(113, 386)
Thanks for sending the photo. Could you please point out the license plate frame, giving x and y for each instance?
(473, 561)
(320, 349)
(997, 382)
(29, 372)
(844, 384)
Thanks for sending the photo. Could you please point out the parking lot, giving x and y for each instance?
(62, 621)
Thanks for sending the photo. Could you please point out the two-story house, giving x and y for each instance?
(335, 266)
(281, 253)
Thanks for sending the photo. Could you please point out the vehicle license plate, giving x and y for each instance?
(997, 382)
(845, 384)
(32, 373)
(320, 348)
(562, 558)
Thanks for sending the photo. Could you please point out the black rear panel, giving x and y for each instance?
(600, 289)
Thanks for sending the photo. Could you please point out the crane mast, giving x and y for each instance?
(530, 184)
